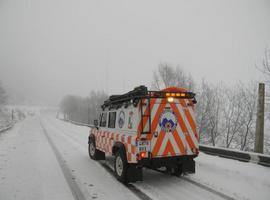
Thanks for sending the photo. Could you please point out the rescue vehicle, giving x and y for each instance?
(150, 129)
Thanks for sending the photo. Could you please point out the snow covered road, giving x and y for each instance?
(28, 166)
(46, 158)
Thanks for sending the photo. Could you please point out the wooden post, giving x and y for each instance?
(259, 137)
(88, 116)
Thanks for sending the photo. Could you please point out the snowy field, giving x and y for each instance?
(5, 118)
(46, 158)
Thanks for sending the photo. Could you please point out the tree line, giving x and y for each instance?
(82, 109)
(225, 115)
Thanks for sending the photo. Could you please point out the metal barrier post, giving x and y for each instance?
(259, 137)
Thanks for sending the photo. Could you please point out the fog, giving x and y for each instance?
(56, 47)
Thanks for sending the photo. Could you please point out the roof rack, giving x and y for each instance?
(137, 93)
(142, 92)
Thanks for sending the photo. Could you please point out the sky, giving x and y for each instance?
(56, 47)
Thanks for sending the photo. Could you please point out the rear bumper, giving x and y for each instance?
(187, 162)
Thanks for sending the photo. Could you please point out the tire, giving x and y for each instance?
(94, 153)
(174, 171)
(177, 171)
(121, 166)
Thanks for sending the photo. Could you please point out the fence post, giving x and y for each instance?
(259, 134)
(88, 116)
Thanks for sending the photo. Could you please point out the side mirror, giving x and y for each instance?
(96, 123)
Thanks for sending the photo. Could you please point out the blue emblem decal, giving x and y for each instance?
(168, 120)
(121, 119)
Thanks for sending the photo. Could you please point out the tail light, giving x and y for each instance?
(142, 155)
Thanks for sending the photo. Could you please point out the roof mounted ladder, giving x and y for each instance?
(145, 116)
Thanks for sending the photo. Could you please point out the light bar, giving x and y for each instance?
(179, 94)
(160, 94)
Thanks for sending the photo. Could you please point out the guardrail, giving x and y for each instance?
(9, 126)
(237, 155)
(78, 123)
(243, 156)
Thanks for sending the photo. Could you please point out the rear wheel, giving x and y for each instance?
(94, 153)
(120, 166)
(174, 170)
(177, 171)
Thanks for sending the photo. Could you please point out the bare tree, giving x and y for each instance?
(238, 115)
(249, 99)
(80, 109)
(167, 76)
(264, 67)
(208, 112)
(94, 102)
(69, 106)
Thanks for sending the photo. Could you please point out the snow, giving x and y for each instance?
(29, 169)
(73, 141)
(5, 118)
(239, 179)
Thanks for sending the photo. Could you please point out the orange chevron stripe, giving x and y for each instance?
(182, 125)
(169, 149)
(156, 118)
(190, 119)
(179, 142)
(158, 143)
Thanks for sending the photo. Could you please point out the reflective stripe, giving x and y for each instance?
(183, 126)
(105, 141)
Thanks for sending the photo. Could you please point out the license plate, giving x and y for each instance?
(144, 146)
(142, 149)
(143, 143)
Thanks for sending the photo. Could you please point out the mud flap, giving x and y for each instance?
(134, 173)
(189, 166)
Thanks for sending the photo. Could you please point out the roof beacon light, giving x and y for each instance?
(170, 99)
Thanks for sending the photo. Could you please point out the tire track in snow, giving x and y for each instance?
(141, 195)
(130, 186)
(224, 196)
(202, 186)
(74, 187)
